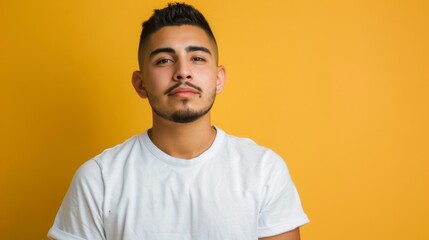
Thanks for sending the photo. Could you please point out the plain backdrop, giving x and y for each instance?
(338, 88)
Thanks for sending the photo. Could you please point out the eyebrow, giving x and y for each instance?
(197, 48)
(187, 49)
(160, 50)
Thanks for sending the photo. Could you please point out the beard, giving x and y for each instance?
(185, 115)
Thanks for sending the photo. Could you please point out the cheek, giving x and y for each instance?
(206, 77)
(156, 81)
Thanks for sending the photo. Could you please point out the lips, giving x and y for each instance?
(184, 89)
(183, 92)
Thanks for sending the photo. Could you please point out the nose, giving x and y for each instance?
(183, 71)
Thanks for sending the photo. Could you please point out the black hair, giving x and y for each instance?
(175, 14)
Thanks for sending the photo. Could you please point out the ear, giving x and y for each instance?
(137, 81)
(221, 79)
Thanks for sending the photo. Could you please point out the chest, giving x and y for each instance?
(201, 202)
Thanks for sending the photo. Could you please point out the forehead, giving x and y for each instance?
(179, 37)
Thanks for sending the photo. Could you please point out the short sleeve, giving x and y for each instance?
(281, 209)
(80, 214)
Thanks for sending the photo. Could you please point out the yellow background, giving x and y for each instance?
(338, 88)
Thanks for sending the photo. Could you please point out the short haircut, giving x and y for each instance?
(175, 14)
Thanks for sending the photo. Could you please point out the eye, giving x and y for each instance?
(163, 61)
(198, 59)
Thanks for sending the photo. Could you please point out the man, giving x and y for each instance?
(183, 178)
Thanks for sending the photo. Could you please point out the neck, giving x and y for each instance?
(182, 140)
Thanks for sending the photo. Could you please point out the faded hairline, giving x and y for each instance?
(143, 44)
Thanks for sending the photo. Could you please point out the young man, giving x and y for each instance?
(183, 178)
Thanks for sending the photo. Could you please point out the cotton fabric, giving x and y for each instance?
(234, 190)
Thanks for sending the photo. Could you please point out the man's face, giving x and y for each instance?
(179, 73)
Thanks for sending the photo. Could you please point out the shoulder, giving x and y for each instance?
(119, 153)
(93, 171)
(87, 180)
(252, 150)
(254, 157)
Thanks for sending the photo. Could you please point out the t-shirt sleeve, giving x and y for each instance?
(80, 214)
(281, 208)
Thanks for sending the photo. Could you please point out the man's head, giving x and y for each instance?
(175, 14)
(179, 73)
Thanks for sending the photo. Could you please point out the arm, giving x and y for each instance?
(281, 213)
(290, 235)
(80, 215)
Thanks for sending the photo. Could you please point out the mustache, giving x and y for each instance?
(170, 89)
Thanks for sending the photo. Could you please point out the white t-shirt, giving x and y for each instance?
(234, 190)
